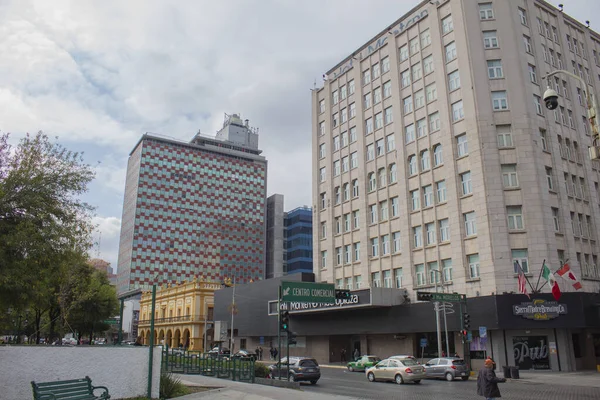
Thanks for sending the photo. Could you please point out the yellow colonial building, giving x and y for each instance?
(183, 315)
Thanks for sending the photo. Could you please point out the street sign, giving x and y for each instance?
(424, 296)
(455, 297)
(423, 342)
(308, 292)
(111, 321)
(482, 332)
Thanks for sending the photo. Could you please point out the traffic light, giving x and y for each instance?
(284, 321)
(466, 321)
(292, 338)
(464, 333)
(342, 294)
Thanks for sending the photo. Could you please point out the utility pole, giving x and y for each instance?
(232, 314)
(436, 306)
(445, 322)
(279, 333)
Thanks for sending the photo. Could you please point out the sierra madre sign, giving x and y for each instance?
(539, 309)
(307, 292)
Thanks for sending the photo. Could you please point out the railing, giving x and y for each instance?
(181, 318)
(197, 363)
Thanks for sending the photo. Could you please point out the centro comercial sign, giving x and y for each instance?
(308, 292)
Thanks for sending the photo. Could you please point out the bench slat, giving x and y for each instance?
(65, 392)
(63, 388)
(41, 384)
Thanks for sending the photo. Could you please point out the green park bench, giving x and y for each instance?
(75, 389)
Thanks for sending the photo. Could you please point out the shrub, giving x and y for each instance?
(261, 370)
(171, 386)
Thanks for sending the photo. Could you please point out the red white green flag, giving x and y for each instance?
(567, 273)
(549, 276)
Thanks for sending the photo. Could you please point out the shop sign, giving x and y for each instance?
(531, 352)
(357, 299)
(540, 310)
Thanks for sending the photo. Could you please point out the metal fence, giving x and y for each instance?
(198, 363)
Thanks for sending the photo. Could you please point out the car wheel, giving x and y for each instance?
(465, 378)
(371, 377)
(293, 377)
(350, 368)
(449, 377)
(417, 381)
(399, 379)
(313, 382)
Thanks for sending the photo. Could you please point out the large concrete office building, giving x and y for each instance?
(194, 209)
(434, 156)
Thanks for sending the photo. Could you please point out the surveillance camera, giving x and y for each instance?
(551, 99)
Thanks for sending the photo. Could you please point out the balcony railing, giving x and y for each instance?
(179, 319)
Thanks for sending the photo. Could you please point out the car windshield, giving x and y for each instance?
(458, 362)
(408, 361)
(308, 363)
(373, 359)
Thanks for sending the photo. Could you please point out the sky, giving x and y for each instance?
(99, 74)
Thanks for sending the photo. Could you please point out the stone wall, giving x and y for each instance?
(123, 369)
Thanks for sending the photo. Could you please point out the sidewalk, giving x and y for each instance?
(581, 378)
(230, 390)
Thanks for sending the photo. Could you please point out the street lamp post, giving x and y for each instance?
(550, 97)
(437, 317)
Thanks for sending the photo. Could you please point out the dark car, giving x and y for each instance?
(244, 355)
(302, 369)
(219, 352)
(448, 368)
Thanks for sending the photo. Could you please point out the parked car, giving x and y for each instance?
(244, 355)
(448, 368)
(219, 352)
(399, 370)
(363, 363)
(302, 369)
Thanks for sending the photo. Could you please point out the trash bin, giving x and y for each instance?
(514, 372)
(506, 370)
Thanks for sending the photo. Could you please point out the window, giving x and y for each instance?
(345, 164)
(351, 87)
(390, 142)
(537, 102)
(366, 76)
(416, 72)
(495, 69)
(336, 167)
(418, 236)
(547, 29)
(420, 273)
(434, 122)
(570, 117)
(353, 160)
(336, 143)
(353, 134)
(532, 73)
(324, 259)
(450, 51)
(352, 110)
(358, 280)
(405, 78)
(322, 174)
(337, 195)
(356, 219)
(381, 175)
(509, 176)
(323, 230)
(404, 53)
(447, 25)
(387, 89)
(515, 217)
(434, 275)
(396, 242)
(395, 206)
(408, 104)
(380, 147)
(430, 232)
(321, 106)
(374, 247)
(457, 111)
(551, 56)
(421, 128)
(473, 260)
(556, 219)
(499, 101)
(410, 133)
(424, 160)
(453, 80)
(344, 137)
(529, 47)
(428, 64)
(323, 197)
(412, 165)
(322, 150)
(338, 225)
(470, 223)
(504, 136)
(430, 92)
(465, 181)
(461, 145)
(444, 230)
(419, 99)
(549, 179)
(338, 258)
(398, 277)
(486, 11)
(355, 188)
(585, 125)
(367, 100)
(440, 188)
(540, 25)
(357, 251)
(438, 158)
(490, 39)
(346, 192)
(377, 95)
(414, 45)
(415, 199)
(523, 16)
(343, 92)
(334, 97)
(385, 245)
(387, 279)
(378, 120)
(372, 182)
(375, 279)
(520, 256)
(427, 196)
(369, 125)
(425, 38)
(373, 213)
(376, 71)
(385, 65)
(348, 283)
(393, 173)
(321, 128)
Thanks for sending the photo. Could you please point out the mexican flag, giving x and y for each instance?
(549, 276)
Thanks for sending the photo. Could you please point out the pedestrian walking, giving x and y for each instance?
(356, 354)
(272, 353)
(487, 382)
(343, 356)
(260, 350)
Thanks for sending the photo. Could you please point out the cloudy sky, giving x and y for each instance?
(98, 74)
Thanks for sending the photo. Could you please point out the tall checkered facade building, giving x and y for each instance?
(194, 209)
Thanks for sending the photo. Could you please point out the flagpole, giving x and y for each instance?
(545, 283)
(539, 276)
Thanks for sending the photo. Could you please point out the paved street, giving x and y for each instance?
(355, 384)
